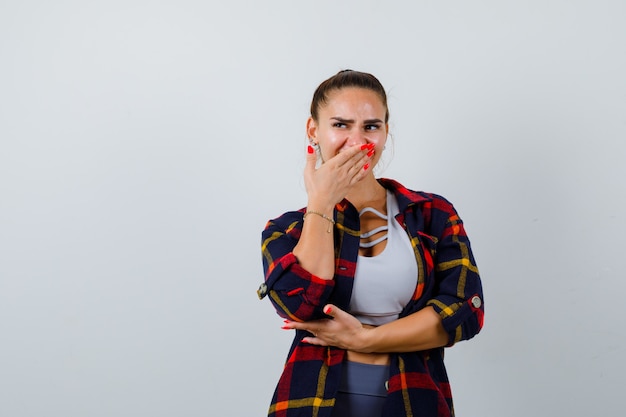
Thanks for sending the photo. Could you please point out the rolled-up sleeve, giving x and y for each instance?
(458, 297)
(295, 292)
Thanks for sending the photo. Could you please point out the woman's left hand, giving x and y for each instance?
(341, 330)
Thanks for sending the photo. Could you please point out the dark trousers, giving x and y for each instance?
(362, 391)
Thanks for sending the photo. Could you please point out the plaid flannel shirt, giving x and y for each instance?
(448, 281)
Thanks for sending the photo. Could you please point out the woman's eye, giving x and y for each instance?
(371, 127)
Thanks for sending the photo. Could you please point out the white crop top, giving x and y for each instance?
(385, 283)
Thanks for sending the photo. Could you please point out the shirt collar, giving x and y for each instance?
(404, 196)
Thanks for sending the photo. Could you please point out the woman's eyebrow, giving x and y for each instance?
(342, 120)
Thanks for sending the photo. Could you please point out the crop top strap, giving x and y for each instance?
(384, 228)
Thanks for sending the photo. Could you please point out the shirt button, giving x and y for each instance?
(476, 301)
(262, 291)
(387, 385)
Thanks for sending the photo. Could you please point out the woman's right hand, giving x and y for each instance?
(331, 182)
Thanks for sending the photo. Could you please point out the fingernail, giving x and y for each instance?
(364, 146)
(371, 145)
(370, 153)
(328, 309)
(310, 149)
(365, 167)
(286, 328)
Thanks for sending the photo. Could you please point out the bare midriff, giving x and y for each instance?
(368, 358)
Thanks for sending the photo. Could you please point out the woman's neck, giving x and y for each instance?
(368, 193)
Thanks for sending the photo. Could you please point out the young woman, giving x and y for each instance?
(374, 278)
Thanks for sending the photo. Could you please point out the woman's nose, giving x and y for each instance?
(357, 138)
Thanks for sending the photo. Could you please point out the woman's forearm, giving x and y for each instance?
(418, 331)
(315, 249)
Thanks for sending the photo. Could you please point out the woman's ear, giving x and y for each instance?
(311, 129)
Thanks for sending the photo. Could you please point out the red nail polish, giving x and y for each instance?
(370, 146)
(364, 146)
(310, 149)
(286, 328)
(366, 166)
(370, 153)
(327, 309)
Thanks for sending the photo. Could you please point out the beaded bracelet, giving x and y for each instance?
(322, 215)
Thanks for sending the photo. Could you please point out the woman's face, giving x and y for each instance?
(351, 116)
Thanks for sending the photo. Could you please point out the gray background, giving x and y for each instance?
(144, 144)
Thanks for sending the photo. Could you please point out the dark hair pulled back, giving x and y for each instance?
(345, 79)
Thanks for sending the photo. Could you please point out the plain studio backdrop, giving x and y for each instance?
(144, 145)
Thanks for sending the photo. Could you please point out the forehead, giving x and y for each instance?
(354, 99)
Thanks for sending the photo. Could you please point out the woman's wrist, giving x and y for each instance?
(329, 219)
(363, 342)
(323, 207)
